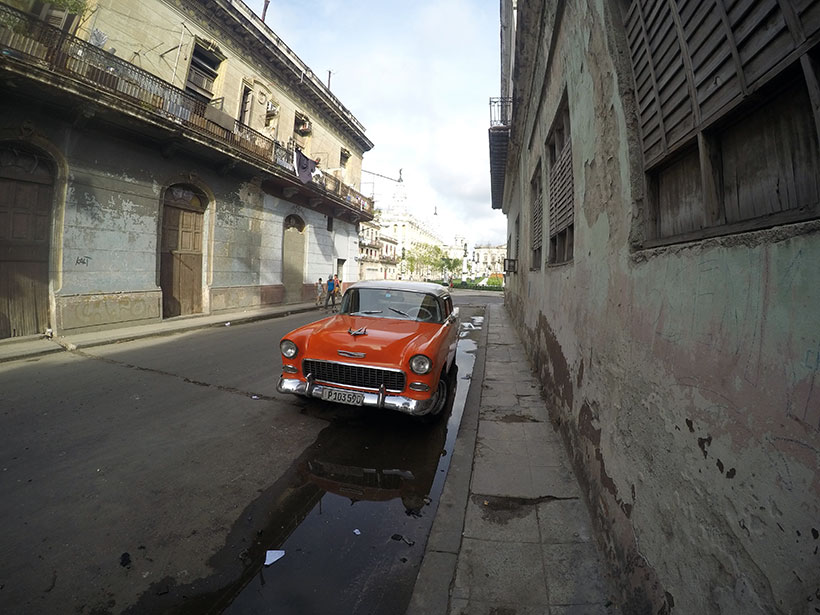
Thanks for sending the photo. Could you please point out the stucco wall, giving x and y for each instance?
(108, 225)
(151, 35)
(683, 377)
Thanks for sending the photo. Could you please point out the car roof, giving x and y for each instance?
(416, 287)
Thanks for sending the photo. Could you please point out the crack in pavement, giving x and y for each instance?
(160, 372)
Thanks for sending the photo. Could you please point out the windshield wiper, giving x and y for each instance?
(397, 311)
(366, 312)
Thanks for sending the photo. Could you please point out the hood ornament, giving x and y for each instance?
(351, 355)
(362, 331)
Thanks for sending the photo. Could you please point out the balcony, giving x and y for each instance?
(500, 119)
(369, 243)
(68, 67)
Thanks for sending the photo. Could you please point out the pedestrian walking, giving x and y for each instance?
(320, 292)
(331, 295)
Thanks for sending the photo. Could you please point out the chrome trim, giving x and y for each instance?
(384, 369)
(398, 403)
(418, 386)
(349, 355)
(289, 369)
(356, 365)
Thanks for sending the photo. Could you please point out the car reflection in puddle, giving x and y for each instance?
(355, 522)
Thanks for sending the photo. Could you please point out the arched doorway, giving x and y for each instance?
(26, 197)
(293, 258)
(183, 212)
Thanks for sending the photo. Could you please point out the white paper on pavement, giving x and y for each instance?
(272, 556)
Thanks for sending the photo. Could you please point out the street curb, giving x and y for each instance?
(13, 350)
(431, 592)
(229, 319)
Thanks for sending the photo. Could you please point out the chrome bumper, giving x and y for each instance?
(380, 399)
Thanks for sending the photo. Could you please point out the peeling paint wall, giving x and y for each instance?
(112, 221)
(158, 36)
(684, 378)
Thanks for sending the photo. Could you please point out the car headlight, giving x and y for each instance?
(420, 364)
(288, 349)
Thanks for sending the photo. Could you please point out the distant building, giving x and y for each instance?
(409, 233)
(370, 267)
(152, 158)
(389, 256)
(659, 167)
(489, 259)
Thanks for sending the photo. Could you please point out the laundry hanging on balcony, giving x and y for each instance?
(305, 167)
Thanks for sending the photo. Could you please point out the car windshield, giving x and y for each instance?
(384, 303)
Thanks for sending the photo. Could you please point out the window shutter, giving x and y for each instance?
(693, 58)
(537, 221)
(561, 192)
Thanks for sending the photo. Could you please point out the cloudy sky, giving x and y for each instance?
(418, 75)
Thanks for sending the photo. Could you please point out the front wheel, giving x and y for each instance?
(439, 399)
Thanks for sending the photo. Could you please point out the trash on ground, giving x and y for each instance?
(228, 324)
(357, 532)
(125, 560)
(406, 541)
(272, 556)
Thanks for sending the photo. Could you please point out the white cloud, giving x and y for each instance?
(419, 76)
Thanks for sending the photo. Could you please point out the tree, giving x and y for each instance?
(423, 258)
(449, 266)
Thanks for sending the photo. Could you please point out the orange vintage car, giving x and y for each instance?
(392, 345)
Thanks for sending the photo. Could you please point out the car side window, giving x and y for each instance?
(431, 307)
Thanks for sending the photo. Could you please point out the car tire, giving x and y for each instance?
(442, 396)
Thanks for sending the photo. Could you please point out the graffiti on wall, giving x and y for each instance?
(85, 311)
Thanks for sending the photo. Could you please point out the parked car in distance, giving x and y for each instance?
(392, 345)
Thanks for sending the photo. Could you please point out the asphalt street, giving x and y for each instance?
(152, 475)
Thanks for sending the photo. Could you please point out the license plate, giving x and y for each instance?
(341, 396)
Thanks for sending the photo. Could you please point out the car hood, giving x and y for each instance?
(381, 339)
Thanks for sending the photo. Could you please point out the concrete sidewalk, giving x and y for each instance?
(512, 533)
(34, 346)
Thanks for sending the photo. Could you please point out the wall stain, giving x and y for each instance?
(703, 444)
(640, 589)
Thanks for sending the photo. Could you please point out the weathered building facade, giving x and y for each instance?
(660, 174)
(377, 252)
(162, 159)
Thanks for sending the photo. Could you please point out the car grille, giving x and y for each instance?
(354, 375)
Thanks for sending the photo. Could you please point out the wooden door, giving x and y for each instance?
(26, 194)
(181, 261)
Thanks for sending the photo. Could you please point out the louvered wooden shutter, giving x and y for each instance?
(561, 191)
(693, 59)
(537, 220)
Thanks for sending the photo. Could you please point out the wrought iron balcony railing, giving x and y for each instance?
(31, 40)
(500, 111)
(370, 243)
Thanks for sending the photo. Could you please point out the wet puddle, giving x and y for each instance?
(353, 521)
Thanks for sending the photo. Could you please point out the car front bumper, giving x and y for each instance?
(379, 399)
